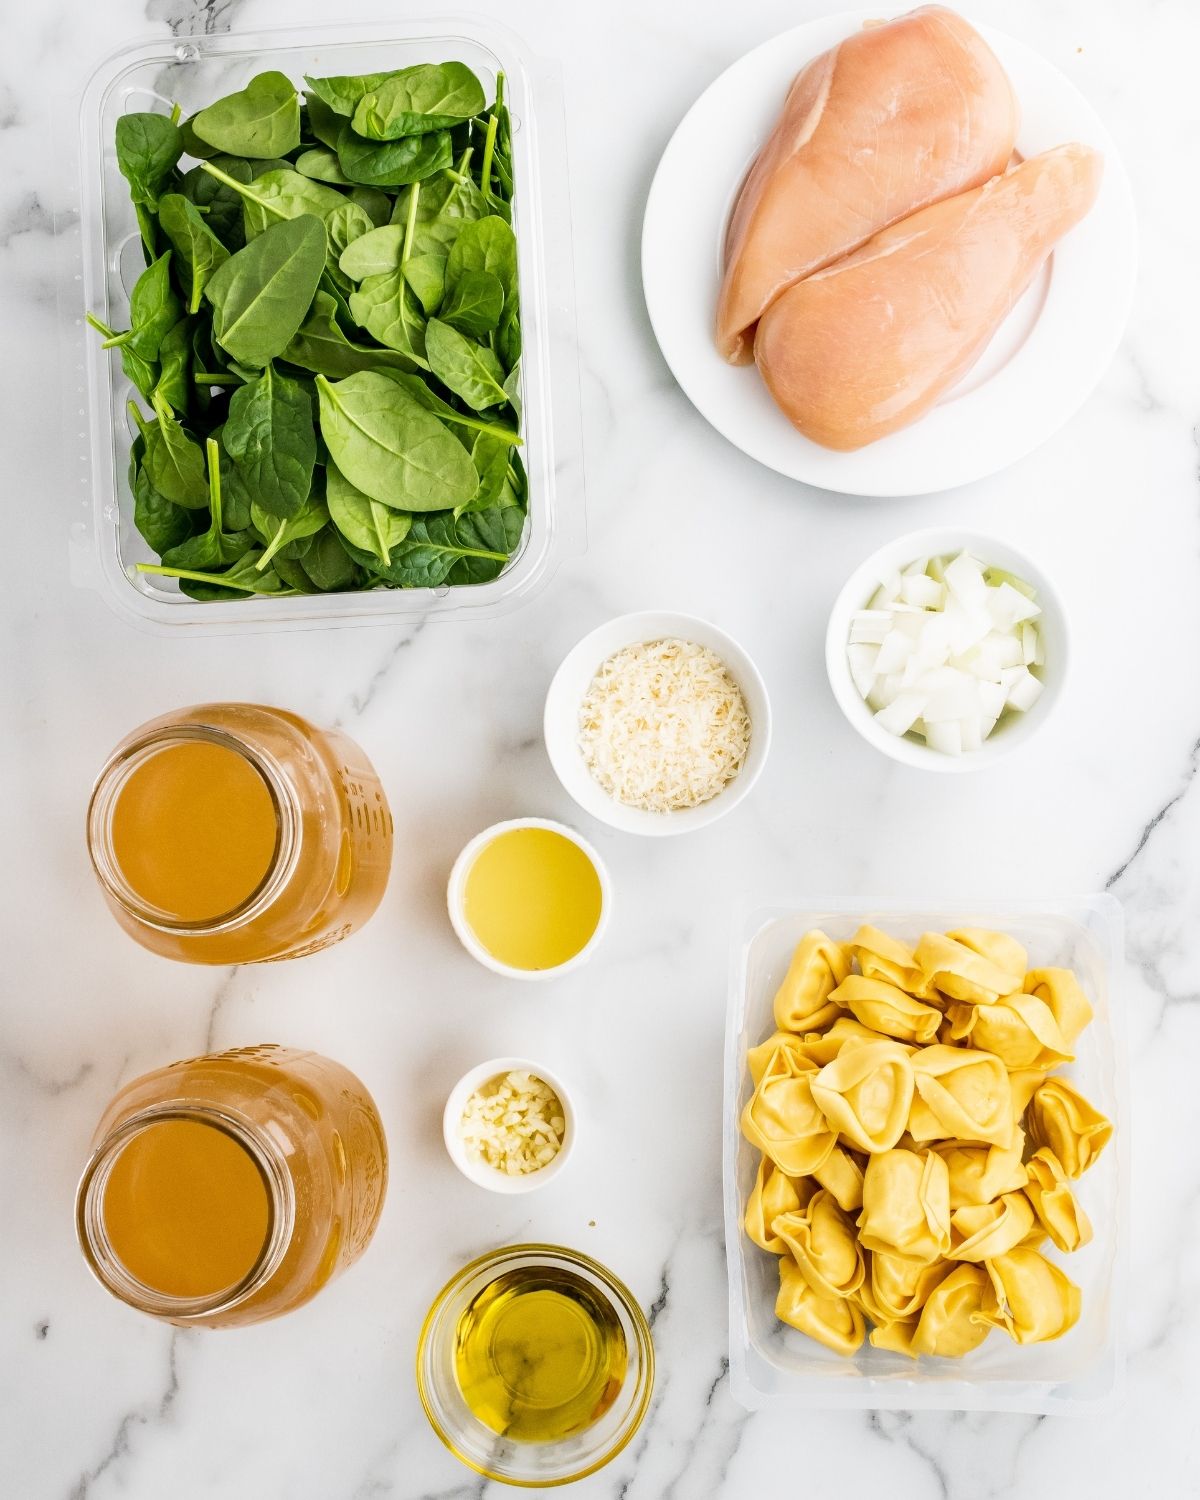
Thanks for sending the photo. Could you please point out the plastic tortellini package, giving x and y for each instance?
(919, 1149)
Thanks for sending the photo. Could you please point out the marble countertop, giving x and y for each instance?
(97, 1403)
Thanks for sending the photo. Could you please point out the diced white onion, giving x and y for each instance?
(946, 649)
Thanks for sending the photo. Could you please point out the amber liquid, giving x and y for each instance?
(206, 858)
(186, 1210)
(194, 830)
(539, 1354)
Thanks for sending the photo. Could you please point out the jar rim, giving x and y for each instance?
(102, 806)
(104, 1262)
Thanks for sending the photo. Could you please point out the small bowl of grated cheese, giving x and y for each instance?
(509, 1125)
(657, 723)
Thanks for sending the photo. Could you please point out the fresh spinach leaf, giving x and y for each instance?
(512, 389)
(484, 245)
(490, 533)
(388, 309)
(278, 195)
(445, 204)
(508, 337)
(466, 368)
(322, 165)
(416, 100)
(141, 373)
(343, 92)
(294, 576)
(153, 310)
(324, 122)
(375, 253)
(425, 557)
(321, 346)
(242, 578)
(431, 401)
(263, 119)
(392, 448)
(374, 202)
(174, 464)
(490, 457)
(270, 436)
(393, 163)
(219, 204)
(328, 563)
(426, 274)
(214, 548)
(175, 367)
(261, 294)
(474, 304)
(148, 148)
(279, 533)
(198, 250)
(373, 527)
(161, 523)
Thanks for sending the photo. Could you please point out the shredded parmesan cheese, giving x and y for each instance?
(514, 1123)
(663, 726)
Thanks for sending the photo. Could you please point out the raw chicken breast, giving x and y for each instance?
(870, 344)
(895, 117)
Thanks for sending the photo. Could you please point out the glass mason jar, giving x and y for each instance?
(231, 833)
(230, 1188)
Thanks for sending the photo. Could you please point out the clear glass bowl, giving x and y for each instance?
(532, 1465)
(771, 1363)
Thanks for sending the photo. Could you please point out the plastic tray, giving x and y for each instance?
(770, 1362)
(103, 257)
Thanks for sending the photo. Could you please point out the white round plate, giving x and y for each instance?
(1039, 368)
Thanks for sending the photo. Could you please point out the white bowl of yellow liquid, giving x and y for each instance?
(529, 898)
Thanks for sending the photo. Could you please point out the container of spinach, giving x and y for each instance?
(323, 349)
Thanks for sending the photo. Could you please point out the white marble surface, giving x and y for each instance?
(96, 1402)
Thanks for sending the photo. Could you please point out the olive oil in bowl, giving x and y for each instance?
(540, 1354)
(535, 1365)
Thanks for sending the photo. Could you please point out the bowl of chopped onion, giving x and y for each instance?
(657, 723)
(509, 1125)
(946, 649)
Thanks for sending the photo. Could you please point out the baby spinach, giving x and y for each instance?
(484, 245)
(374, 253)
(342, 93)
(270, 436)
(391, 447)
(261, 294)
(148, 148)
(289, 277)
(373, 527)
(197, 248)
(468, 369)
(320, 346)
(429, 96)
(277, 534)
(393, 163)
(431, 549)
(263, 119)
(388, 309)
(474, 304)
(322, 165)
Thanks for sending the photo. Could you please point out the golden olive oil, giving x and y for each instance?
(532, 897)
(539, 1354)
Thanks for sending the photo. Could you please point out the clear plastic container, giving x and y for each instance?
(772, 1363)
(102, 258)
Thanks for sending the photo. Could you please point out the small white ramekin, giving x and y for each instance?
(856, 594)
(456, 887)
(479, 1172)
(569, 688)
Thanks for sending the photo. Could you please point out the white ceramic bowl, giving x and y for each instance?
(570, 685)
(479, 1172)
(859, 588)
(455, 889)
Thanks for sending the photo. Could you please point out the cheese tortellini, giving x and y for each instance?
(918, 1149)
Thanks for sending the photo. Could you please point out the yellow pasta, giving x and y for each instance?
(886, 1009)
(836, 1322)
(866, 1094)
(818, 966)
(917, 1146)
(1062, 1119)
(906, 1205)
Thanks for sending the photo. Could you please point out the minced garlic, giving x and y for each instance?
(664, 726)
(514, 1123)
